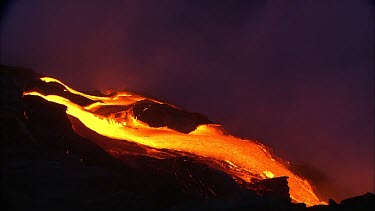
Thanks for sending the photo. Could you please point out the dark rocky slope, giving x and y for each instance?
(47, 166)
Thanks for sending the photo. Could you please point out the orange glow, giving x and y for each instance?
(245, 159)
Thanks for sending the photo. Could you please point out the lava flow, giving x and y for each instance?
(245, 159)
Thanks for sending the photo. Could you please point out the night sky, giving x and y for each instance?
(296, 75)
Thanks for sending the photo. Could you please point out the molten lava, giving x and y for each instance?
(244, 159)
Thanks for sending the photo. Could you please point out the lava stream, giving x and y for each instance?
(206, 140)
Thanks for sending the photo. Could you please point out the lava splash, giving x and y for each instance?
(114, 116)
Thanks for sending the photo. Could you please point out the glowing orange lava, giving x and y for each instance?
(246, 159)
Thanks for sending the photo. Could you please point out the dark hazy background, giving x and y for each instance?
(296, 75)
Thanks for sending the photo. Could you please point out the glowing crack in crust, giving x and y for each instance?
(246, 158)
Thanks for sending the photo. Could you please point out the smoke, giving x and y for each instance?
(295, 76)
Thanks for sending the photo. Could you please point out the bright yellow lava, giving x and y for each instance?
(269, 174)
(246, 158)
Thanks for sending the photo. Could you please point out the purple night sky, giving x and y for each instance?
(296, 75)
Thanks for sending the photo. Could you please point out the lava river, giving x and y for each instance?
(247, 159)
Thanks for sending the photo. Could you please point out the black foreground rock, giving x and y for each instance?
(47, 166)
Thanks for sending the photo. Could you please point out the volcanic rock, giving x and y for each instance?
(365, 201)
(275, 188)
(160, 115)
(46, 165)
